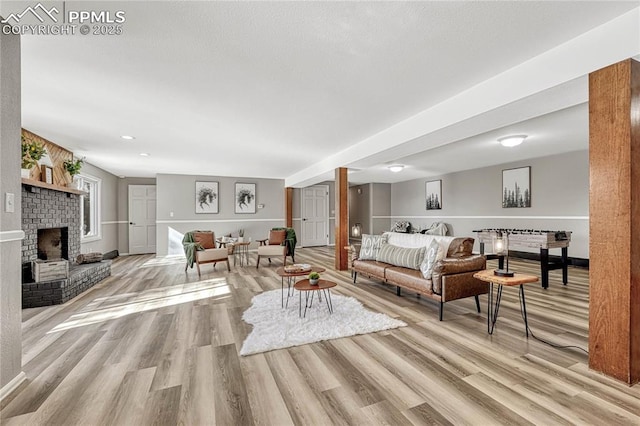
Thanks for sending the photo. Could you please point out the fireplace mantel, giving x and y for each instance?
(37, 183)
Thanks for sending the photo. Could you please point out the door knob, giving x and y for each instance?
(131, 223)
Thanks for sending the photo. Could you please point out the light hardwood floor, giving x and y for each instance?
(151, 345)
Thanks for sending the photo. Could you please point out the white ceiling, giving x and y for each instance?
(267, 89)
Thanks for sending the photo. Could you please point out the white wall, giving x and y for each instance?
(473, 199)
(10, 222)
(176, 193)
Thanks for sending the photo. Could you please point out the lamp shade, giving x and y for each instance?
(356, 230)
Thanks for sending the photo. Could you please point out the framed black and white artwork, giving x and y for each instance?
(245, 198)
(206, 197)
(516, 187)
(434, 195)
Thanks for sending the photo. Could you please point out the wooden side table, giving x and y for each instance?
(241, 252)
(291, 276)
(492, 311)
(306, 287)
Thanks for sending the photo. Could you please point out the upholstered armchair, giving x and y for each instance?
(281, 243)
(200, 248)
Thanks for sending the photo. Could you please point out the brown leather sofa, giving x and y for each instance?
(452, 276)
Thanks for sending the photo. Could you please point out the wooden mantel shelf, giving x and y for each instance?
(37, 183)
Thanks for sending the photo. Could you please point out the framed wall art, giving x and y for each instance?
(434, 195)
(245, 200)
(206, 197)
(516, 187)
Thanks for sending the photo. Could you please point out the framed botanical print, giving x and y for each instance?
(245, 200)
(434, 195)
(516, 187)
(206, 197)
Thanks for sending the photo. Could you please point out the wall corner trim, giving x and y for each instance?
(12, 385)
(6, 236)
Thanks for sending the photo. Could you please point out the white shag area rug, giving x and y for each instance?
(276, 328)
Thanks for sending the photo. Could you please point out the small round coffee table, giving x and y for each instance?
(290, 276)
(305, 286)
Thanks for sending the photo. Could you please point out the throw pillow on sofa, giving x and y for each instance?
(401, 256)
(433, 254)
(371, 246)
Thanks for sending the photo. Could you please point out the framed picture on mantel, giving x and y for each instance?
(46, 174)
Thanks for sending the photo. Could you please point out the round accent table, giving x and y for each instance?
(291, 276)
(305, 286)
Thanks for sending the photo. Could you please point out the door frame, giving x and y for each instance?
(328, 210)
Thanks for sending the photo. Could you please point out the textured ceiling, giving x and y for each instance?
(265, 89)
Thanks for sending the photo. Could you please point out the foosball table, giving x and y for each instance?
(530, 238)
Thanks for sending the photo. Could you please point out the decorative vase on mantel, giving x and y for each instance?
(25, 173)
(75, 183)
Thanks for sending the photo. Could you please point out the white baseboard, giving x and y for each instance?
(12, 385)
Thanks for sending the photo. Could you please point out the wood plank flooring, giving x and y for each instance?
(153, 345)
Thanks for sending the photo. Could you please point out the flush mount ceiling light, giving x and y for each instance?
(144, 154)
(396, 168)
(513, 140)
(127, 137)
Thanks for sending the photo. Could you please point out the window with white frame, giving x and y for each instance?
(90, 208)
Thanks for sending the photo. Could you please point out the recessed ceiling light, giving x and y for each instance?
(513, 140)
(127, 137)
(144, 154)
(396, 168)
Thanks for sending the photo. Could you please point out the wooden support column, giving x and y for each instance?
(288, 207)
(342, 219)
(614, 221)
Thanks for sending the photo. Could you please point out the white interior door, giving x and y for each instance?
(142, 219)
(315, 216)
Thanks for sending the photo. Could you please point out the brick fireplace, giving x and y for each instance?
(51, 223)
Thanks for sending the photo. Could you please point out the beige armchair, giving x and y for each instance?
(210, 254)
(273, 246)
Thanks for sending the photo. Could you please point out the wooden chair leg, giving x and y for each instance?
(284, 260)
(228, 266)
(258, 262)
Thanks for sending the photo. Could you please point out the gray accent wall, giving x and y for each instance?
(176, 194)
(473, 199)
(108, 213)
(10, 223)
(122, 211)
(380, 207)
(360, 207)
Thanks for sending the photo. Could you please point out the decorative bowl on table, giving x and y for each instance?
(314, 277)
(297, 267)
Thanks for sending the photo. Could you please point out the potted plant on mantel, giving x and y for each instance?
(32, 152)
(73, 167)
